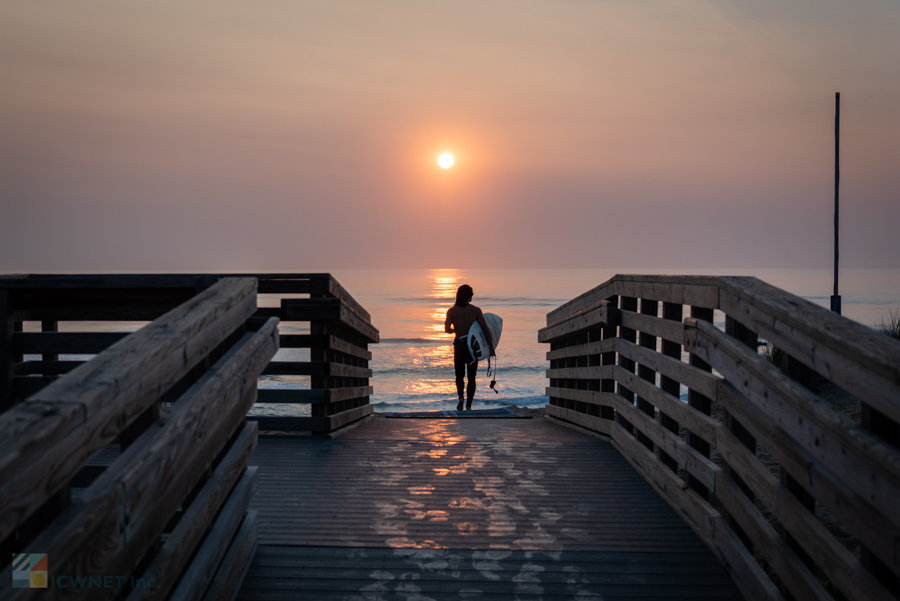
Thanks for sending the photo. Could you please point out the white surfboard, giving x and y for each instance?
(478, 344)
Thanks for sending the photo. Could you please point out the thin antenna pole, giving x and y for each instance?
(836, 298)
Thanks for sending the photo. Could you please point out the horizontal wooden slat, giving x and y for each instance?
(312, 396)
(26, 386)
(863, 462)
(120, 515)
(876, 531)
(766, 541)
(323, 341)
(855, 357)
(45, 368)
(693, 462)
(312, 424)
(582, 350)
(698, 514)
(106, 394)
(89, 343)
(692, 377)
(834, 559)
(698, 423)
(183, 540)
(591, 397)
(236, 562)
(748, 575)
(591, 422)
(326, 309)
(596, 372)
(206, 561)
(664, 328)
(699, 291)
(593, 316)
(316, 368)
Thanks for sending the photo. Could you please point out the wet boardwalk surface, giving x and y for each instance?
(479, 509)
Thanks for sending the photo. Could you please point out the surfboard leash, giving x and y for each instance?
(494, 381)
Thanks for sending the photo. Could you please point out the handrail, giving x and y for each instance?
(340, 332)
(179, 473)
(751, 434)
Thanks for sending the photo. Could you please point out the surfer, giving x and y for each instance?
(460, 318)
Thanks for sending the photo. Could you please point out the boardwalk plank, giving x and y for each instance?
(477, 509)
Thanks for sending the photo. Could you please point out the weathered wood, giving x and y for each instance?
(581, 350)
(125, 509)
(236, 563)
(853, 356)
(743, 568)
(670, 330)
(834, 559)
(696, 511)
(694, 378)
(108, 393)
(206, 562)
(604, 399)
(595, 315)
(26, 386)
(325, 423)
(316, 368)
(313, 396)
(766, 541)
(684, 290)
(89, 343)
(581, 373)
(7, 354)
(698, 423)
(595, 424)
(183, 540)
(108, 304)
(694, 463)
(45, 368)
(865, 464)
(323, 341)
(861, 519)
(326, 309)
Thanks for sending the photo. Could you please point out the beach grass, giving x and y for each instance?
(890, 325)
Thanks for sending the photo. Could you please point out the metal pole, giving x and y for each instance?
(836, 298)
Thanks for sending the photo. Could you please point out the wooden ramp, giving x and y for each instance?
(481, 509)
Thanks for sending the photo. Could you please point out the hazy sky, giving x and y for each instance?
(199, 135)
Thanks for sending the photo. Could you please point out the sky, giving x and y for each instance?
(204, 135)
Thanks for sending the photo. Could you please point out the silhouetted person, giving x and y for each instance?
(460, 318)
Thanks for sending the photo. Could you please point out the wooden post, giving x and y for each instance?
(7, 360)
(648, 341)
(673, 312)
(628, 303)
(748, 337)
(608, 384)
(701, 403)
(49, 326)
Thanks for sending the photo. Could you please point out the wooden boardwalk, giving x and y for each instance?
(469, 509)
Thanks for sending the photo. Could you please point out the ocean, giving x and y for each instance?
(413, 363)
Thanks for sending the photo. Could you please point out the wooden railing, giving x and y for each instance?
(339, 333)
(166, 517)
(799, 497)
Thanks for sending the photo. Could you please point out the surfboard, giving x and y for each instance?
(477, 341)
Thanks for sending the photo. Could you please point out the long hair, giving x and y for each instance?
(464, 295)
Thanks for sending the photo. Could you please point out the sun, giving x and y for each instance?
(445, 160)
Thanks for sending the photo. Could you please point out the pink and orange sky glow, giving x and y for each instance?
(289, 136)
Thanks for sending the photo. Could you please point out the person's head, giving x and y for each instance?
(464, 295)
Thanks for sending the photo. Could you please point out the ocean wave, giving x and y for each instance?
(500, 300)
(448, 369)
(416, 341)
